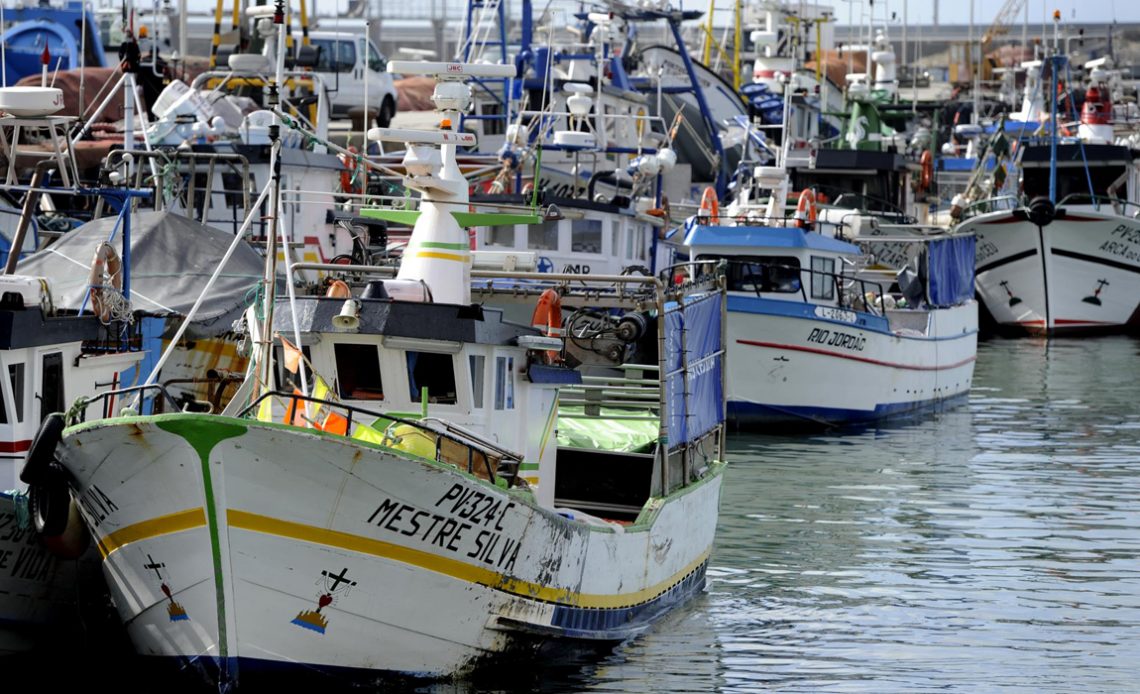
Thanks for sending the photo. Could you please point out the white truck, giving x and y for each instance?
(345, 60)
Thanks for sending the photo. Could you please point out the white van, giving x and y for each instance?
(342, 67)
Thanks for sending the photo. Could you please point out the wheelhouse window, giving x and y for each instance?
(772, 274)
(16, 378)
(586, 236)
(822, 278)
(503, 235)
(543, 237)
(286, 379)
(476, 364)
(358, 372)
(504, 383)
(433, 371)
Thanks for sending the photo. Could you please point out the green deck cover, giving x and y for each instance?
(600, 433)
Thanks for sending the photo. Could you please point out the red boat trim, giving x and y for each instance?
(1011, 219)
(877, 362)
(15, 446)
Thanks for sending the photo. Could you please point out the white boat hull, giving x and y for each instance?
(794, 363)
(1079, 273)
(282, 548)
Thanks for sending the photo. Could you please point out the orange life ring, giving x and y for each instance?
(926, 181)
(346, 184)
(106, 262)
(338, 289)
(547, 317)
(710, 207)
(805, 209)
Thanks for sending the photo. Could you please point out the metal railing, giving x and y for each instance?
(1118, 205)
(843, 284)
(507, 462)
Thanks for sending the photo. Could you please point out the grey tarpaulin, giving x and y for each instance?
(172, 257)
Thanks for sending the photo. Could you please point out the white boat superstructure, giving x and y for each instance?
(48, 359)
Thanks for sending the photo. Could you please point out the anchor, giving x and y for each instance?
(1013, 300)
(1095, 298)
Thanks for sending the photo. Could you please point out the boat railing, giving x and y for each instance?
(464, 450)
(995, 204)
(1119, 206)
(850, 292)
(636, 390)
(78, 412)
(175, 175)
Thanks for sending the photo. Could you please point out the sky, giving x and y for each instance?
(918, 11)
(958, 11)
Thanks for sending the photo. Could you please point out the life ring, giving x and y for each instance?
(338, 289)
(346, 176)
(106, 262)
(41, 454)
(547, 317)
(926, 179)
(805, 209)
(710, 207)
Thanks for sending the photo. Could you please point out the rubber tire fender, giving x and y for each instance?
(49, 501)
(41, 455)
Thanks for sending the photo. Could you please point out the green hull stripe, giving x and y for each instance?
(464, 219)
(440, 244)
(203, 436)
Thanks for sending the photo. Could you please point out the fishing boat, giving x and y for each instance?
(48, 358)
(815, 337)
(1064, 257)
(399, 505)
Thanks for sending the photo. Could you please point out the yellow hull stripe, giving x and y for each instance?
(163, 525)
(441, 256)
(447, 566)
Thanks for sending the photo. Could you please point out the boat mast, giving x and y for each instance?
(1055, 64)
(265, 366)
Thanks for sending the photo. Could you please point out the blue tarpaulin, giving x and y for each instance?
(694, 360)
(950, 270)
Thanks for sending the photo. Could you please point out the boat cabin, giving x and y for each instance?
(584, 238)
(47, 360)
(1109, 169)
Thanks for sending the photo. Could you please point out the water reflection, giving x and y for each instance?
(994, 546)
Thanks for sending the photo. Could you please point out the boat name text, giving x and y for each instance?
(97, 504)
(985, 250)
(1124, 246)
(21, 555)
(1127, 233)
(465, 520)
(834, 338)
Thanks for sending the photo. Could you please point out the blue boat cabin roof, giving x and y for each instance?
(766, 237)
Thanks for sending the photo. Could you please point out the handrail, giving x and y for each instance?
(513, 459)
(837, 279)
(83, 404)
(1118, 204)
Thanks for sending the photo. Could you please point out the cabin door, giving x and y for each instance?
(51, 384)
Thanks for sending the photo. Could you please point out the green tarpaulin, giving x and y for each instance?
(611, 431)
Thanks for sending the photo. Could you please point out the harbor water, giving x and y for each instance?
(995, 547)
